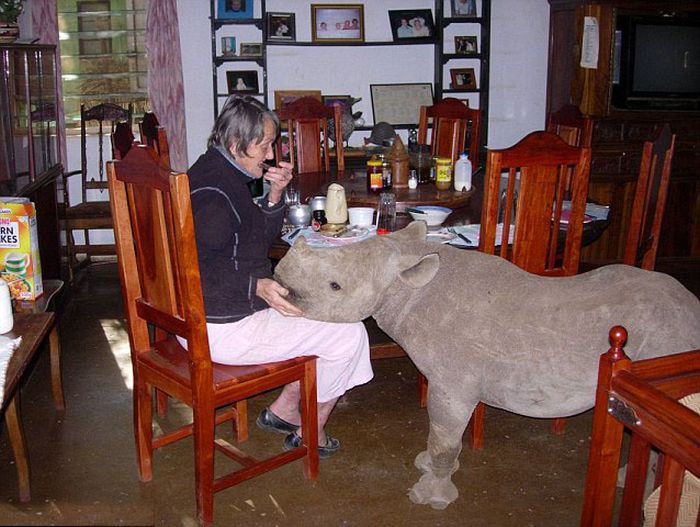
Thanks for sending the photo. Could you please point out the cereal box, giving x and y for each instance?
(20, 266)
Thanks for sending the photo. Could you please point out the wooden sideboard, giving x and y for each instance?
(618, 134)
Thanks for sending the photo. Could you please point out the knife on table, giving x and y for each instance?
(293, 235)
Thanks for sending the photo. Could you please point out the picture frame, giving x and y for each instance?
(228, 46)
(412, 25)
(283, 97)
(466, 45)
(345, 101)
(280, 26)
(399, 104)
(229, 9)
(250, 49)
(242, 81)
(337, 23)
(463, 8)
(463, 79)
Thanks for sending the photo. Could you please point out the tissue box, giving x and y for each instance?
(20, 265)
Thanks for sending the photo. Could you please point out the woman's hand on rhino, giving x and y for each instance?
(274, 294)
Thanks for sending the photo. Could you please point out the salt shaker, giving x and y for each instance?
(413, 180)
(6, 319)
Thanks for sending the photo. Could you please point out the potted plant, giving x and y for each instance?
(9, 13)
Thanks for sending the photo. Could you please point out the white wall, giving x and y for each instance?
(519, 35)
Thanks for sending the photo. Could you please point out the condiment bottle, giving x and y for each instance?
(6, 318)
(443, 173)
(374, 174)
(319, 219)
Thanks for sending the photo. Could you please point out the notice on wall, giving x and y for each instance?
(589, 44)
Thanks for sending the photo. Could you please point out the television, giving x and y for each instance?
(656, 63)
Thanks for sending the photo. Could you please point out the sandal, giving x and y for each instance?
(267, 420)
(332, 445)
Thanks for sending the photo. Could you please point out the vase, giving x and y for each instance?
(9, 32)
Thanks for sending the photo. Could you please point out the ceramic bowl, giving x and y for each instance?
(430, 214)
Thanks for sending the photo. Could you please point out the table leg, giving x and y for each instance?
(55, 359)
(14, 429)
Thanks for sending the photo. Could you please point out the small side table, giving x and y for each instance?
(34, 325)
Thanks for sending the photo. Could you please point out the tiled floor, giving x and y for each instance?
(84, 468)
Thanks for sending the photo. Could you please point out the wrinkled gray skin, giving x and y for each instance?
(481, 329)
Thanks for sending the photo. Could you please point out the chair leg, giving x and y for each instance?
(55, 360)
(422, 390)
(476, 428)
(309, 419)
(19, 447)
(558, 425)
(240, 423)
(203, 436)
(161, 404)
(143, 429)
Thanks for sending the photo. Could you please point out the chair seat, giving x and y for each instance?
(89, 210)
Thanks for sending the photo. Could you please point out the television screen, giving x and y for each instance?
(657, 63)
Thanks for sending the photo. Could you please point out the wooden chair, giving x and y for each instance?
(122, 139)
(306, 122)
(642, 398)
(541, 163)
(571, 125)
(91, 209)
(159, 273)
(650, 200)
(451, 122)
(154, 135)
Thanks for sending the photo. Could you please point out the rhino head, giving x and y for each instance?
(349, 283)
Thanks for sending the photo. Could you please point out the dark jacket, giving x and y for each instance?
(233, 237)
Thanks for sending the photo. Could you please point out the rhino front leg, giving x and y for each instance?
(448, 419)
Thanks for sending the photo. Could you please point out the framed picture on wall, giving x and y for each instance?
(463, 79)
(245, 81)
(345, 101)
(280, 26)
(337, 22)
(227, 9)
(411, 25)
(399, 104)
(463, 8)
(228, 46)
(466, 45)
(283, 97)
(251, 49)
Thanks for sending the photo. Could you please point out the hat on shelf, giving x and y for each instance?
(381, 132)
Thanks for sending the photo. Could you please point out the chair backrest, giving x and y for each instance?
(650, 199)
(154, 135)
(107, 116)
(306, 121)
(527, 185)
(122, 139)
(157, 256)
(571, 125)
(454, 127)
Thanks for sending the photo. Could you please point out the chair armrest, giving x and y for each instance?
(71, 173)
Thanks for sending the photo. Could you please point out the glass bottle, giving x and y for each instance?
(443, 173)
(374, 174)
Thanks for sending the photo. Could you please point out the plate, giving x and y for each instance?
(350, 232)
(440, 237)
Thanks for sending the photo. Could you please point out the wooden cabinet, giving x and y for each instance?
(29, 159)
(618, 134)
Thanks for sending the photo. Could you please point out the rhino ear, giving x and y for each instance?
(421, 273)
(414, 231)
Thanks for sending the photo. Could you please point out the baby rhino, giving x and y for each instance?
(481, 329)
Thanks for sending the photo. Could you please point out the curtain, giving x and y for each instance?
(45, 28)
(165, 85)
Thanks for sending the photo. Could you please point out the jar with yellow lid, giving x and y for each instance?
(443, 175)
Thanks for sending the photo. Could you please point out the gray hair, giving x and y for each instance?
(241, 122)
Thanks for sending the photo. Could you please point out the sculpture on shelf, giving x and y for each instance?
(349, 121)
(467, 321)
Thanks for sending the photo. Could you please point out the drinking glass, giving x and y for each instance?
(387, 213)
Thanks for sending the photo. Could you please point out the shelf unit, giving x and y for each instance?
(222, 62)
(443, 56)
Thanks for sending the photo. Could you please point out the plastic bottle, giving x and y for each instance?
(463, 173)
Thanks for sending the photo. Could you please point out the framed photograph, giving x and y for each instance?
(243, 81)
(280, 26)
(283, 97)
(399, 104)
(463, 8)
(234, 9)
(463, 79)
(466, 45)
(412, 25)
(337, 23)
(228, 46)
(345, 101)
(250, 49)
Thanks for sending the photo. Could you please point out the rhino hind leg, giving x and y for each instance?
(448, 419)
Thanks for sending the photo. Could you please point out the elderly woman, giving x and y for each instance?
(249, 320)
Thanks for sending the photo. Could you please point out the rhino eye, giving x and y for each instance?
(335, 286)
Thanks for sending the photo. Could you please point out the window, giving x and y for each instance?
(103, 54)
